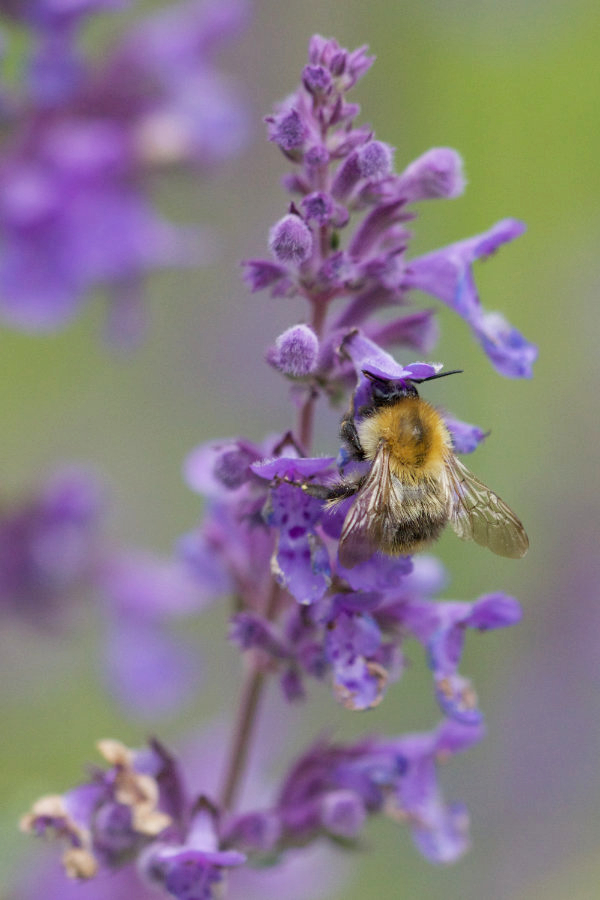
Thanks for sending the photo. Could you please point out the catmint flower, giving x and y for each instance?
(111, 817)
(319, 207)
(447, 274)
(375, 160)
(441, 628)
(395, 776)
(300, 562)
(316, 79)
(191, 870)
(287, 130)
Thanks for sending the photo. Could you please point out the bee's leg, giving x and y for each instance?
(330, 492)
(343, 489)
(314, 490)
(349, 435)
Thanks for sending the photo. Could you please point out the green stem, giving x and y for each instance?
(252, 687)
(254, 680)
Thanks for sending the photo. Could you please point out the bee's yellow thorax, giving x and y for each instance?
(414, 435)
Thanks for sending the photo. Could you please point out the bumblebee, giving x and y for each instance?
(414, 485)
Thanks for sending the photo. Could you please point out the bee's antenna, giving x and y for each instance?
(378, 378)
(438, 375)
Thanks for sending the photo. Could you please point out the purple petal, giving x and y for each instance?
(495, 611)
(419, 331)
(219, 466)
(447, 839)
(437, 173)
(301, 563)
(458, 700)
(262, 273)
(465, 438)
(294, 468)
(447, 274)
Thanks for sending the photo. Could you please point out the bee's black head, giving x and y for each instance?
(386, 391)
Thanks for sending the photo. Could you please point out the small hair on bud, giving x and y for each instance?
(375, 160)
(318, 206)
(316, 79)
(437, 173)
(290, 240)
(287, 129)
(295, 352)
(316, 156)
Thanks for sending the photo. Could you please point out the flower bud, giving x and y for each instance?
(437, 173)
(296, 351)
(290, 240)
(375, 160)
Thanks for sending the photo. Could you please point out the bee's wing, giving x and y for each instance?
(478, 514)
(366, 520)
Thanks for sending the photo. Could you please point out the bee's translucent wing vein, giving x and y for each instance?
(477, 513)
(361, 534)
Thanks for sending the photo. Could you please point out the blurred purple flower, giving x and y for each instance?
(149, 667)
(49, 546)
(109, 819)
(307, 874)
(333, 789)
(191, 870)
(75, 205)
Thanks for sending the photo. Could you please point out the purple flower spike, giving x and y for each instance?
(295, 352)
(277, 526)
(291, 240)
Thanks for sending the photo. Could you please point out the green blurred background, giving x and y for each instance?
(515, 88)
